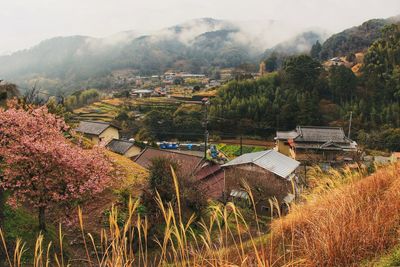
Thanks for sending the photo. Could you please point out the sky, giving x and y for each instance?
(25, 23)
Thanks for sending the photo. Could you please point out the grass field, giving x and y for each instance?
(233, 151)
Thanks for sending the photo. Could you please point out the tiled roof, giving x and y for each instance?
(321, 134)
(93, 127)
(209, 175)
(286, 135)
(187, 162)
(351, 146)
(207, 169)
(269, 160)
(211, 180)
(119, 146)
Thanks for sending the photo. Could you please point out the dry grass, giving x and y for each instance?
(343, 225)
(133, 174)
(344, 221)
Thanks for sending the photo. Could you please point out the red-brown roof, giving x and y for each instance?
(206, 170)
(213, 185)
(208, 174)
(188, 163)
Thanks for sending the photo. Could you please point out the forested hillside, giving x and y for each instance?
(304, 93)
(355, 39)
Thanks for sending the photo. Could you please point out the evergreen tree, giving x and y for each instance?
(316, 50)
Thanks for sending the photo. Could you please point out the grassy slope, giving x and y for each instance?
(390, 259)
(131, 178)
(344, 226)
(20, 224)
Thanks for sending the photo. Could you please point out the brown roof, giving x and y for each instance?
(206, 170)
(213, 185)
(211, 178)
(188, 163)
(208, 174)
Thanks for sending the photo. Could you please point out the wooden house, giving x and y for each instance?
(316, 144)
(269, 174)
(98, 131)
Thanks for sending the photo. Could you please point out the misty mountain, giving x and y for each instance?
(300, 44)
(74, 62)
(355, 39)
(192, 46)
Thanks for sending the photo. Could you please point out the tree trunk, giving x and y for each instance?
(2, 206)
(2, 220)
(42, 219)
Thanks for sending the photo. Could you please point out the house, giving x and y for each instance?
(98, 131)
(316, 144)
(141, 93)
(208, 174)
(336, 61)
(123, 147)
(269, 174)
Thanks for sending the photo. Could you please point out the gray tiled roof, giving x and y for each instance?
(119, 146)
(270, 160)
(350, 146)
(321, 134)
(93, 127)
(286, 135)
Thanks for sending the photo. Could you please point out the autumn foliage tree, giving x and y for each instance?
(41, 167)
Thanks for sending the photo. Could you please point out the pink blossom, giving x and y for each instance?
(41, 166)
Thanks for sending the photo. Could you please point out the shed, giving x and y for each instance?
(269, 174)
(123, 147)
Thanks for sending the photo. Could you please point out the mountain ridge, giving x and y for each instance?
(68, 62)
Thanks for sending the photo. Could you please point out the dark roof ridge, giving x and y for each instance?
(172, 151)
(165, 150)
(122, 140)
(103, 122)
(321, 127)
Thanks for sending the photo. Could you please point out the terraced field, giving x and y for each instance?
(108, 109)
(103, 111)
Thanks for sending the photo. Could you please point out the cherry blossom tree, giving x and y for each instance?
(41, 167)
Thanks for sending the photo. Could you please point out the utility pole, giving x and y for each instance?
(241, 145)
(205, 102)
(351, 117)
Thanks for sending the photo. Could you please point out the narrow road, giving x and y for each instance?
(249, 142)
